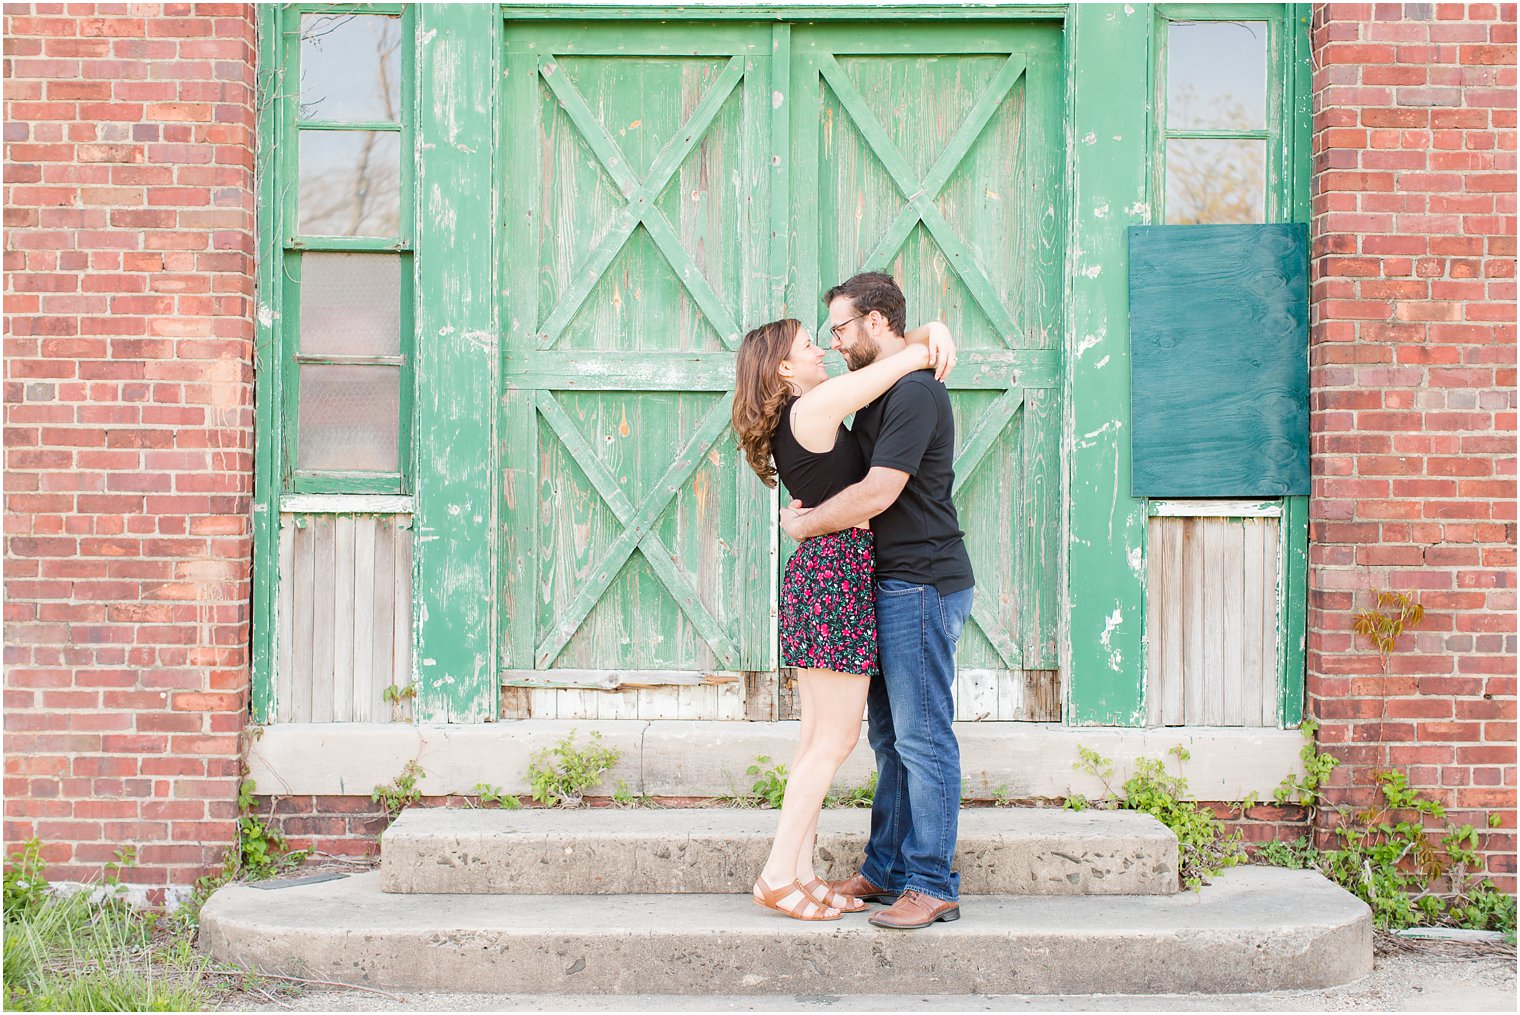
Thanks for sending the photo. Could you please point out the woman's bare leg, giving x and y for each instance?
(805, 869)
(836, 702)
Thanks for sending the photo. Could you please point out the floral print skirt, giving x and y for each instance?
(828, 604)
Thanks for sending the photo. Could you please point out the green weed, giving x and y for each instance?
(561, 775)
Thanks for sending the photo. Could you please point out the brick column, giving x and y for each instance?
(1413, 404)
(129, 211)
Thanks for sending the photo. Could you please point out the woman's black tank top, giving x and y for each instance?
(810, 476)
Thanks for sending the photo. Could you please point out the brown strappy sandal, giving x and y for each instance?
(822, 894)
(809, 910)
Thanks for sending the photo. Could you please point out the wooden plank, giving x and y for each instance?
(324, 616)
(658, 703)
(283, 696)
(543, 703)
(362, 690)
(516, 703)
(382, 636)
(271, 541)
(1011, 701)
(457, 362)
(1275, 608)
(1220, 508)
(697, 701)
(1213, 632)
(762, 695)
(1107, 100)
(1231, 618)
(1292, 611)
(628, 15)
(344, 504)
(573, 703)
(1042, 696)
(521, 128)
(788, 694)
(1259, 679)
(1157, 596)
(591, 370)
(345, 607)
(403, 635)
(616, 704)
(978, 699)
(1173, 701)
(1194, 623)
(731, 703)
(1039, 605)
(606, 680)
(1293, 536)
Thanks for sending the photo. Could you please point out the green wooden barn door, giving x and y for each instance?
(635, 177)
(934, 152)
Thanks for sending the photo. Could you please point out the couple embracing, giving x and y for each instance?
(874, 598)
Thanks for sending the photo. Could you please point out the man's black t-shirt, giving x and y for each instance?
(918, 538)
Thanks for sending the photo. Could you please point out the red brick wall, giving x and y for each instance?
(129, 213)
(1413, 404)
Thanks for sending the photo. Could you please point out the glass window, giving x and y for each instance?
(1215, 129)
(350, 183)
(350, 304)
(348, 419)
(1216, 181)
(350, 67)
(347, 253)
(1216, 75)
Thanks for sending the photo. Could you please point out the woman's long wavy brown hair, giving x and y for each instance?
(760, 393)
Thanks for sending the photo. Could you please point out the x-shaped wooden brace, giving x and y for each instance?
(975, 447)
(640, 196)
(920, 207)
(638, 524)
(921, 194)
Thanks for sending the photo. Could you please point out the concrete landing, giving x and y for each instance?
(1254, 929)
(1002, 851)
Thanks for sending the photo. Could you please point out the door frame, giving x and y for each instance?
(1107, 48)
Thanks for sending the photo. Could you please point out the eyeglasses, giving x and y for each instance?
(835, 328)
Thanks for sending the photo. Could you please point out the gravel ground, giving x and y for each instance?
(1409, 976)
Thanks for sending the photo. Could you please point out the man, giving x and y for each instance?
(924, 589)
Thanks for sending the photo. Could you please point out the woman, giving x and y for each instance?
(788, 411)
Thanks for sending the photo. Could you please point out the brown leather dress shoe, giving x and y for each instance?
(914, 910)
(860, 888)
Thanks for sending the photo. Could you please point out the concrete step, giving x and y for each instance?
(1253, 929)
(1002, 851)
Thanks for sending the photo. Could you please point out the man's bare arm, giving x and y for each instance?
(850, 506)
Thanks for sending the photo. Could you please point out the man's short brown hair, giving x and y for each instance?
(874, 290)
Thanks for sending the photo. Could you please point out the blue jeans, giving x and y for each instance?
(918, 762)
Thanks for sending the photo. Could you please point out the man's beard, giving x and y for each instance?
(860, 355)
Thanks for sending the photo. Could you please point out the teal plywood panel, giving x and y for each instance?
(1219, 360)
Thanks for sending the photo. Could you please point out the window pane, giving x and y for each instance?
(1216, 75)
(350, 183)
(350, 67)
(351, 304)
(1215, 181)
(349, 417)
